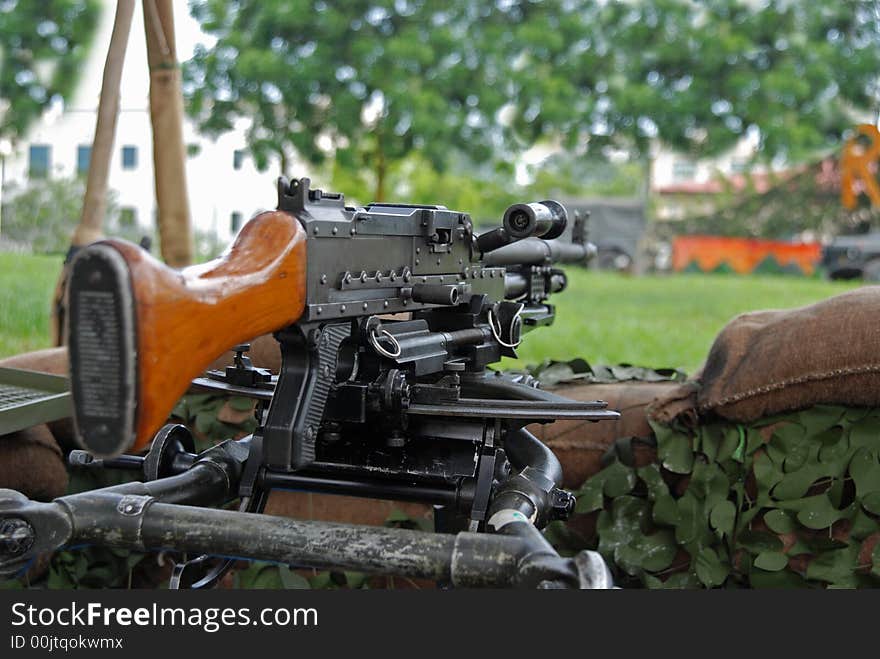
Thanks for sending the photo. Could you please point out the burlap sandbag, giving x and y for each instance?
(32, 463)
(768, 362)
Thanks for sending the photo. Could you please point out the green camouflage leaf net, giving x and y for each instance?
(791, 501)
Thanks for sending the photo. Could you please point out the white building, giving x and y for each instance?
(225, 189)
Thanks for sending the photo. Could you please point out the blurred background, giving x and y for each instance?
(708, 141)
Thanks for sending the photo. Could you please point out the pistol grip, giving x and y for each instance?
(308, 372)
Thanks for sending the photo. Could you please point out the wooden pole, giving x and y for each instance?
(91, 223)
(169, 152)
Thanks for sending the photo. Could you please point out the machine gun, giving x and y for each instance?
(388, 318)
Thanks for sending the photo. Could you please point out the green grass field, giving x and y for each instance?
(605, 318)
(658, 321)
(26, 287)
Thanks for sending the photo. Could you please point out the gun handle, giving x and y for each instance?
(140, 331)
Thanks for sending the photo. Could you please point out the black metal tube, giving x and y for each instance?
(545, 218)
(515, 285)
(535, 251)
(447, 294)
(526, 450)
(204, 484)
(374, 489)
(465, 559)
(494, 385)
(304, 544)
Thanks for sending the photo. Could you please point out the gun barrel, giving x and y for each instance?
(535, 251)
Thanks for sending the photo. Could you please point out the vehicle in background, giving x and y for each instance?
(853, 256)
(616, 226)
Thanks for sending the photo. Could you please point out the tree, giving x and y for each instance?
(698, 76)
(42, 215)
(585, 175)
(365, 82)
(493, 79)
(42, 49)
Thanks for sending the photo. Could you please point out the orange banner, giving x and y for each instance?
(743, 255)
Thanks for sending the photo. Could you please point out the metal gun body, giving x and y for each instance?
(384, 391)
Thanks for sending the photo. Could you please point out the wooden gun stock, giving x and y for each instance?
(140, 331)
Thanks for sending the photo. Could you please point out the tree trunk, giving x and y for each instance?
(169, 152)
(285, 162)
(91, 223)
(643, 248)
(381, 174)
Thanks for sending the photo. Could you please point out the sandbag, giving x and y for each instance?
(334, 508)
(32, 463)
(49, 360)
(769, 362)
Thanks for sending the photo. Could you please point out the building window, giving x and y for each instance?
(683, 170)
(127, 216)
(129, 157)
(738, 165)
(39, 160)
(237, 158)
(235, 221)
(83, 158)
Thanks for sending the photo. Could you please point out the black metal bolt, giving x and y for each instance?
(16, 536)
(562, 504)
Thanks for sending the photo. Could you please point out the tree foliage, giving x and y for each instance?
(42, 49)
(699, 75)
(43, 214)
(368, 82)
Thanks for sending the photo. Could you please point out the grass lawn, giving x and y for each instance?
(658, 321)
(605, 318)
(26, 287)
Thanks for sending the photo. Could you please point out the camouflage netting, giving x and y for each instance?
(788, 501)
